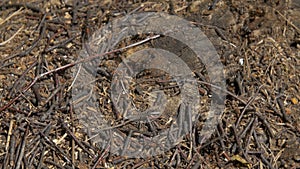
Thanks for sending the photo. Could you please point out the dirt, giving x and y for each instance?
(258, 43)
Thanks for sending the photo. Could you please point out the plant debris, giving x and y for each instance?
(258, 42)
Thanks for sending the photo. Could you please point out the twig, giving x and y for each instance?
(46, 132)
(282, 109)
(11, 124)
(20, 5)
(75, 7)
(22, 150)
(237, 139)
(75, 139)
(73, 131)
(212, 6)
(223, 90)
(4, 164)
(182, 153)
(53, 94)
(126, 143)
(18, 31)
(61, 152)
(42, 154)
(53, 163)
(101, 157)
(33, 153)
(10, 16)
(75, 78)
(264, 160)
(142, 163)
(221, 136)
(21, 77)
(61, 44)
(12, 150)
(265, 122)
(248, 104)
(289, 22)
(37, 94)
(251, 133)
(243, 133)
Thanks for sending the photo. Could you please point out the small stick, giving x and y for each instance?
(256, 140)
(250, 134)
(212, 6)
(75, 139)
(239, 143)
(21, 77)
(45, 131)
(53, 163)
(53, 94)
(18, 31)
(5, 164)
(22, 149)
(221, 135)
(74, 12)
(61, 152)
(265, 122)
(100, 158)
(34, 153)
(42, 154)
(140, 163)
(266, 161)
(173, 156)
(37, 94)
(282, 109)
(23, 5)
(182, 154)
(12, 150)
(248, 104)
(73, 131)
(246, 128)
(10, 16)
(75, 78)
(11, 124)
(237, 139)
(180, 119)
(289, 22)
(127, 142)
(60, 44)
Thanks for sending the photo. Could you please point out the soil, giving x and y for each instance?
(258, 43)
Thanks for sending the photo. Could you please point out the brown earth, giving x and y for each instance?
(258, 43)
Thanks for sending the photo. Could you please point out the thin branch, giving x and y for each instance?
(18, 31)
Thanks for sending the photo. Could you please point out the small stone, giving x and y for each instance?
(288, 111)
(294, 100)
(194, 7)
(297, 158)
(2, 77)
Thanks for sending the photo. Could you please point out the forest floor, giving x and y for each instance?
(258, 43)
